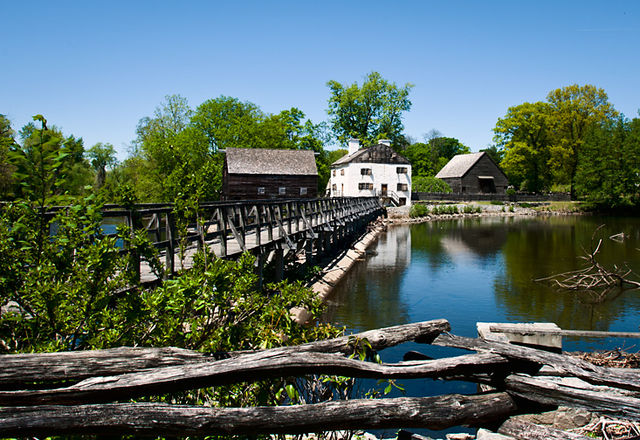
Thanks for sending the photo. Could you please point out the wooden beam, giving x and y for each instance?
(155, 419)
(564, 365)
(257, 366)
(575, 392)
(513, 328)
(19, 369)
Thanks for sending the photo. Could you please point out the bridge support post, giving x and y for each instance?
(308, 251)
(278, 262)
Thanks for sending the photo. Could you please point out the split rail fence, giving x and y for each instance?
(90, 392)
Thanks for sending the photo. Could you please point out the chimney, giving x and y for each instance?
(354, 145)
(386, 142)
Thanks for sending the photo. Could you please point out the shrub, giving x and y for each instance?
(429, 184)
(418, 210)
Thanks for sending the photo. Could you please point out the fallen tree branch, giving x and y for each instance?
(435, 413)
(575, 392)
(17, 370)
(563, 365)
(260, 365)
(594, 277)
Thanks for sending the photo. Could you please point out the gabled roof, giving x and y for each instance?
(459, 165)
(268, 161)
(380, 153)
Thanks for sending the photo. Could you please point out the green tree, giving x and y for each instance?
(369, 112)
(48, 164)
(525, 134)
(495, 153)
(228, 123)
(7, 144)
(574, 110)
(608, 173)
(429, 158)
(102, 156)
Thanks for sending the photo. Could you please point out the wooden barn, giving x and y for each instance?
(255, 173)
(474, 173)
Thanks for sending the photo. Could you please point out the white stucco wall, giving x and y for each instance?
(347, 178)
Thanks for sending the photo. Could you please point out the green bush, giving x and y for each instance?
(429, 184)
(418, 210)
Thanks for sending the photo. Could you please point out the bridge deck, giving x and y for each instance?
(231, 228)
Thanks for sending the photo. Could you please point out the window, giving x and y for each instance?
(334, 187)
(365, 185)
(401, 170)
(365, 171)
(303, 191)
(342, 172)
(403, 187)
(261, 190)
(334, 173)
(282, 191)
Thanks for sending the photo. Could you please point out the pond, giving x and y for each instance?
(482, 269)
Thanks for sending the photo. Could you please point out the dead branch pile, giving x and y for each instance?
(594, 277)
(611, 429)
(616, 358)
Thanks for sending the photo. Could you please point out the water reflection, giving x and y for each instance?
(483, 270)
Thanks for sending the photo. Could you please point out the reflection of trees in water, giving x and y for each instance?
(440, 243)
(540, 247)
(369, 297)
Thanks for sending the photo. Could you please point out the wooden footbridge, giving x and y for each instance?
(276, 231)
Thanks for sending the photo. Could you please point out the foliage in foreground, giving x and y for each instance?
(64, 286)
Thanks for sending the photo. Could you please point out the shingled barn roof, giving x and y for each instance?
(268, 161)
(459, 165)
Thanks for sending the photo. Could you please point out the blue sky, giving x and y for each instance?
(95, 68)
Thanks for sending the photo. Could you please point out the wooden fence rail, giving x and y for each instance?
(89, 392)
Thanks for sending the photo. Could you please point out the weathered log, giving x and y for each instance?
(522, 430)
(20, 369)
(563, 365)
(259, 365)
(438, 412)
(575, 392)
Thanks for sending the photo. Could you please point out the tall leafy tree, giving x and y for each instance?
(369, 112)
(7, 144)
(48, 164)
(429, 158)
(525, 134)
(102, 156)
(608, 173)
(574, 110)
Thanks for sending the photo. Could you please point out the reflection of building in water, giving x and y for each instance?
(482, 240)
(393, 249)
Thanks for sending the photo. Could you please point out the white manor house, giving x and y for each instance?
(376, 171)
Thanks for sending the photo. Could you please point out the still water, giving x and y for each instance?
(482, 269)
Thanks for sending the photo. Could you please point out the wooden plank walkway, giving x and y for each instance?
(277, 229)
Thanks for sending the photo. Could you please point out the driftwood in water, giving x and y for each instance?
(594, 277)
(253, 367)
(19, 369)
(563, 365)
(522, 430)
(438, 412)
(575, 393)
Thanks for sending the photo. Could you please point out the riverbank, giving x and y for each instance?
(402, 214)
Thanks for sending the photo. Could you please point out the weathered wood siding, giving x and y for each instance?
(245, 186)
(469, 183)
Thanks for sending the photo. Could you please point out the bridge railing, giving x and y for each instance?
(232, 227)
